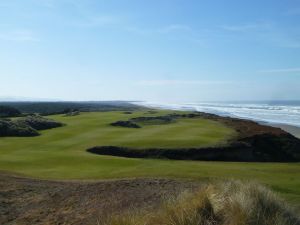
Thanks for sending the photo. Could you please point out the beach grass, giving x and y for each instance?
(221, 203)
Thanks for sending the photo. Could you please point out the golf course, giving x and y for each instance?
(60, 153)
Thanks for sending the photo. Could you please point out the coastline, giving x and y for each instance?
(284, 115)
(294, 130)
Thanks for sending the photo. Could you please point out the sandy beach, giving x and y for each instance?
(288, 128)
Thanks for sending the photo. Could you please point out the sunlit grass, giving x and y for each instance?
(61, 153)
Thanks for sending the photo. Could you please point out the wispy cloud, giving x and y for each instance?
(86, 16)
(21, 35)
(246, 27)
(172, 28)
(267, 33)
(178, 32)
(286, 70)
(46, 3)
(56, 3)
(100, 21)
(282, 39)
(293, 12)
(179, 82)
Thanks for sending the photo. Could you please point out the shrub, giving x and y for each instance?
(16, 129)
(155, 120)
(127, 124)
(26, 127)
(40, 123)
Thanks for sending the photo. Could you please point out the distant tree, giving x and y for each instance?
(69, 110)
(8, 111)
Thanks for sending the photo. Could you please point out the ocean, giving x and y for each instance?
(278, 112)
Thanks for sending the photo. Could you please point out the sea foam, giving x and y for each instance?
(287, 112)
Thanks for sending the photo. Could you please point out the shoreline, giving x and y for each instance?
(294, 130)
(288, 127)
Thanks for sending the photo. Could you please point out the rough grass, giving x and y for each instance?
(226, 203)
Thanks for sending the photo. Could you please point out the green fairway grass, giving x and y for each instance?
(60, 153)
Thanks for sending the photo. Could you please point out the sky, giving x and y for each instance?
(158, 50)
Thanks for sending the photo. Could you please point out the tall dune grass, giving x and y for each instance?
(226, 203)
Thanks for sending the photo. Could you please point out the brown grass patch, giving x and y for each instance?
(222, 203)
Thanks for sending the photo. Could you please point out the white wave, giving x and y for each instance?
(283, 114)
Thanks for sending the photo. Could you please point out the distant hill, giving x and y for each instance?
(26, 99)
(47, 108)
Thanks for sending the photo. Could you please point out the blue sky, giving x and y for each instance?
(158, 50)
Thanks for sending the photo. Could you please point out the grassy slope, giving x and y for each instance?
(60, 153)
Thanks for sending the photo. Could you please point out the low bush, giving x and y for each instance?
(16, 129)
(127, 124)
(26, 127)
(153, 120)
(39, 122)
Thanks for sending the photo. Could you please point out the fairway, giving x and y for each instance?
(60, 153)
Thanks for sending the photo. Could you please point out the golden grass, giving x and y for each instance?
(226, 203)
